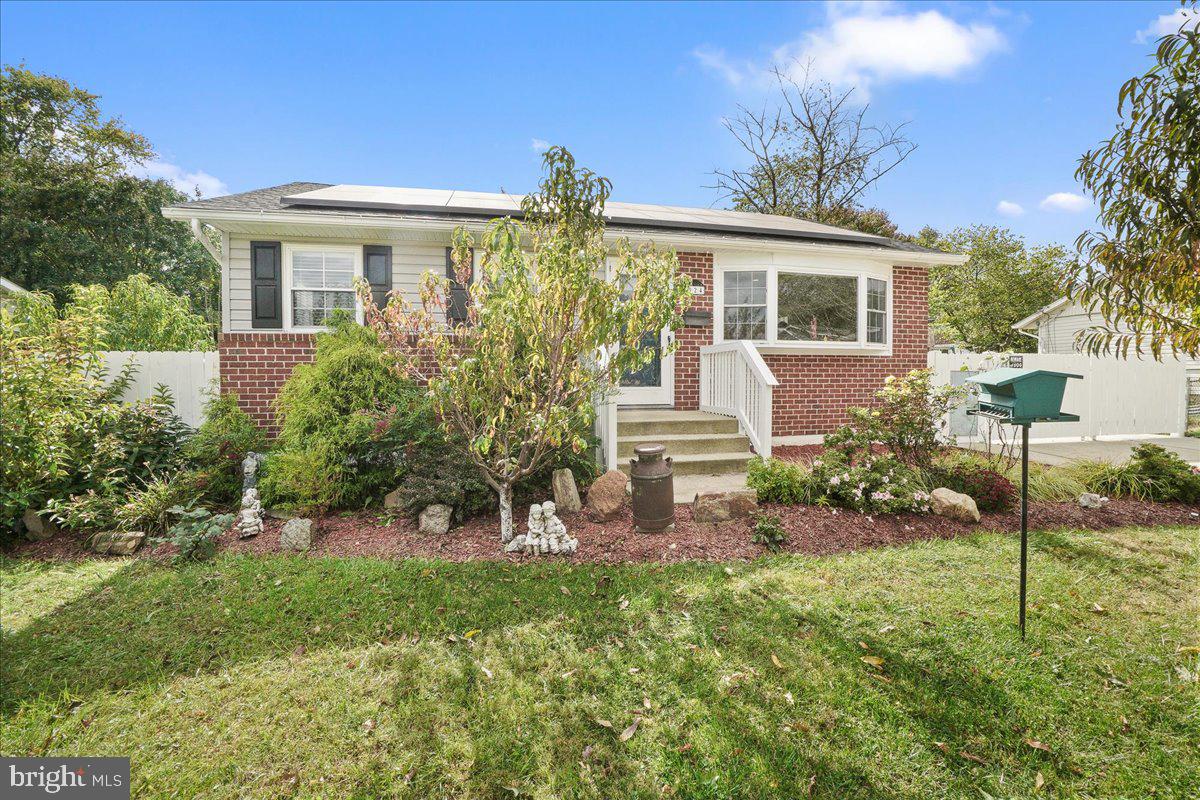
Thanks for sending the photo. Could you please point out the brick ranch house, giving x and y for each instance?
(791, 322)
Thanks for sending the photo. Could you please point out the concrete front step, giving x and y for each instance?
(679, 444)
(703, 463)
(661, 422)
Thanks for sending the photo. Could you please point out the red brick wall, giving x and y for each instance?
(255, 365)
(814, 390)
(698, 266)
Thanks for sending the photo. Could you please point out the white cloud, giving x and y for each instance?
(865, 44)
(1167, 24)
(539, 145)
(1064, 201)
(1009, 208)
(181, 179)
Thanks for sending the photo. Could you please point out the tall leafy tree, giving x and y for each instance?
(1141, 271)
(133, 314)
(545, 332)
(814, 155)
(1005, 280)
(72, 212)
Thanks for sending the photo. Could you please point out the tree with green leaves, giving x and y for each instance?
(814, 156)
(1005, 280)
(134, 314)
(72, 212)
(1141, 270)
(545, 334)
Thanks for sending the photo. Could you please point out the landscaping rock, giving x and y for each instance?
(37, 527)
(117, 543)
(1091, 500)
(392, 499)
(954, 505)
(566, 493)
(715, 507)
(297, 534)
(435, 519)
(606, 497)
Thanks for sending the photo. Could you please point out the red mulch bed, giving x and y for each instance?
(811, 530)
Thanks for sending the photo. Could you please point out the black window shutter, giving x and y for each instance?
(377, 268)
(456, 311)
(266, 285)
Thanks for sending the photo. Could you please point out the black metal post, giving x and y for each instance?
(1024, 515)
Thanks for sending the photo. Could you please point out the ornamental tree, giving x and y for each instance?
(1142, 269)
(546, 331)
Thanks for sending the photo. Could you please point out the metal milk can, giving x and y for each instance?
(653, 489)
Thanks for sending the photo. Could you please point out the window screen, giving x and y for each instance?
(321, 282)
(745, 305)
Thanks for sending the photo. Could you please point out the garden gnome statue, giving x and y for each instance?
(250, 522)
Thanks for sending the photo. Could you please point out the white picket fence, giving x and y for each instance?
(1116, 398)
(190, 375)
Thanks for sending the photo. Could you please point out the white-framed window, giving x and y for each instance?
(745, 312)
(318, 280)
(790, 306)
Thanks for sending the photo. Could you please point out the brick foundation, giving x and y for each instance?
(255, 366)
(814, 390)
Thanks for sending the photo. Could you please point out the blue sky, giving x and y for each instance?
(1001, 98)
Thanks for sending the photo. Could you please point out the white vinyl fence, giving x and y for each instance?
(1116, 398)
(189, 375)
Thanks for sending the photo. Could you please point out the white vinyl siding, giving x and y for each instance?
(409, 260)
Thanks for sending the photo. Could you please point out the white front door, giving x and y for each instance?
(654, 383)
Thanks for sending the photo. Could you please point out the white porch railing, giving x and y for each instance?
(736, 382)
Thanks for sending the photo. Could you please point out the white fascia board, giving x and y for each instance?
(1044, 311)
(680, 241)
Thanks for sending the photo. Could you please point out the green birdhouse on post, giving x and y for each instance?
(1022, 397)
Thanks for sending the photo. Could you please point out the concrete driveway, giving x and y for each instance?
(1117, 452)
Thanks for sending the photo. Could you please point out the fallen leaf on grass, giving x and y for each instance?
(971, 757)
(565, 590)
(945, 748)
(624, 604)
(1036, 745)
(646, 703)
(887, 629)
(791, 701)
(603, 723)
(1038, 782)
(486, 671)
(1098, 609)
(628, 733)
(874, 661)
(684, 748)
(775, 660)
(368, 726)
(864, 645)
(472, 633)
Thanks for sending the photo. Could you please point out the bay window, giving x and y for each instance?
(782, 306)
(321, 281)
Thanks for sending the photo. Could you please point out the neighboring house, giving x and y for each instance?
(1057, 326)
(809, 319)
(9, 290)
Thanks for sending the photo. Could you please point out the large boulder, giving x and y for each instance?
(566, 493)
(37, 527)
(435, 519)
(954, 505)
(606, 497)
(297, 534)
(713, 508)
(117, 543)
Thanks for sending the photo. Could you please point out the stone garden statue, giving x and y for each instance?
(546, 534)
(250, 522)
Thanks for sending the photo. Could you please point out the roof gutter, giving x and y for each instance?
(728, 241)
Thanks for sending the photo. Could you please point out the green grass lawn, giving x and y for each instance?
(889, 673)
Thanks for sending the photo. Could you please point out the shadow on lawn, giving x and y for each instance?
(149, 622)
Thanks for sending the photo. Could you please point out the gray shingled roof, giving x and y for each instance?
(273, 199)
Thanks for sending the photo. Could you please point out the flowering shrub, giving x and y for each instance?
(990, 490)
(908, 416)
(872, 484)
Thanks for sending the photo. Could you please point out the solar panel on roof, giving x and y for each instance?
(642, 214)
